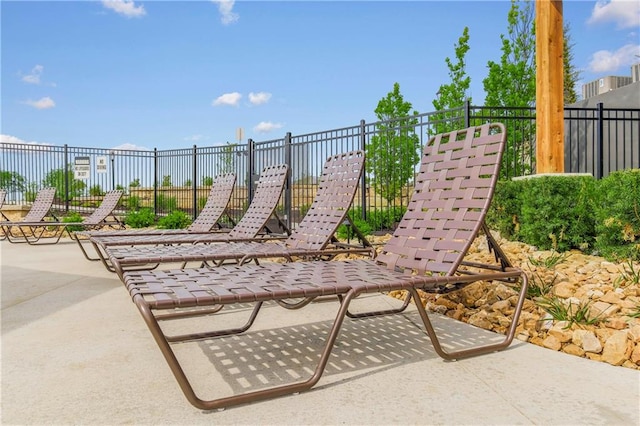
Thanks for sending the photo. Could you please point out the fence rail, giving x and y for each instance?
(597, 140)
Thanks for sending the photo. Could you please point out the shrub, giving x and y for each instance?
(133, 202)
(135, 183)
(140, 218)
(345, 232)
(73, 217)
(31, 193)
(177, 219)
(167, 203)
(557, 212)
(207, 181)
(504, 212)
(96, 190)
(617, 211)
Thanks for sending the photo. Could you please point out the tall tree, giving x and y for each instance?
(511, 83)
(571, 73)
(455, 93)
(392, 152)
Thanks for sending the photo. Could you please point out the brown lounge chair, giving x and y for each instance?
(102, 216)
(3, 195)
(252, 226)
(208, 218)
(39, 211)
(452, 193)
(313, 237)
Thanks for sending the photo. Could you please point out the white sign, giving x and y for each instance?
(101, 164)
(82, 167)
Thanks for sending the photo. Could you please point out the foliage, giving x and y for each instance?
(630, 274)
(617, 214)
(504, 211)
(512, 83)
(166, 180)
(454, 94)
(346, 232)
(165, 203)
(135, 183)
(140, 218)
(133, 202)
(187, 182)
(557, 212)
(540, 287)
(12, 181)
(120, 188)
(550, 261)
(31, 192)
(202, 201)
(207, 180)
(73, 217)
(226, 160)
(96, 190)
(571, 74)
(177, 219)
(562, 311)
(393, 152)
(56, 179)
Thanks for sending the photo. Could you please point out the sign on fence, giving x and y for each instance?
(101, 164)
(82, 167)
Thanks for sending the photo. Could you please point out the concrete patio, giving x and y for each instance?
(76, 351)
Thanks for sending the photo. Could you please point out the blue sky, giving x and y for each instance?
(171, 74)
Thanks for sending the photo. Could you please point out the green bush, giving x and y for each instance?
(557, 212)
(140, 218)
(504, 212)
(167, 203)
(73, 217)
(177, 219)
(133, 202)
(345, 232)
(617, 211)
(96, 190)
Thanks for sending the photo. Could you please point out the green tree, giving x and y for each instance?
(512, 83)
(454, 94)
(393, 152)
(226, 160)
(12, 181)
(56, 179)
(571, 74)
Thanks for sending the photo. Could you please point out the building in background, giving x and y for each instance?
(609, 83)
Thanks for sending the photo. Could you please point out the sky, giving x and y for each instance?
(173, 74)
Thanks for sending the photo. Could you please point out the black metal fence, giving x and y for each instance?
(597, 141)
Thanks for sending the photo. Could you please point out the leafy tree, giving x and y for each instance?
(12, 181)
(571, 73)
(393, 152)
(454, 94)
(56, 179)
(512, 83)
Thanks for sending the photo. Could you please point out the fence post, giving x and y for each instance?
(251, 161)
(66, 178)
(155, 181)
(363, 183)
(600, 141)
(194, 184)
(467, 113)
(288, 186)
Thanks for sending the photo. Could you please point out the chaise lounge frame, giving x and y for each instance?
(452, 193)
(40, 210)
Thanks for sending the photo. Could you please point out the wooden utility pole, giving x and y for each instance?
(549, 87)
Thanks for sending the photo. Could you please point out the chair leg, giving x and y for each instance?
(478, 350)
(223, 402)
(404, 306)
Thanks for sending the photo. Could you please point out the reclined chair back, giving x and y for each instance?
(41, 205)
(453, 190)
(216, 205)
(109, 203)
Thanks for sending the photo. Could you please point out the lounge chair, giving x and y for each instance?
(3, 195)
(252, 226)
(313, 237)
(208, 218)
(48, 232)
(452, 193)
(39, 211)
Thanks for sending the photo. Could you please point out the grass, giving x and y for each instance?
(630, 275)
(550, 261)
(561, 311)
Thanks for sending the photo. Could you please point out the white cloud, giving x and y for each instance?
(266, 127)
(8, 139)
(624, 13)
(259, 98)
(194, 138)
(34, 76)
(125, 7)
(225, 7)
(129, 147)
(232, 99)
(44, 103)
(607, 61)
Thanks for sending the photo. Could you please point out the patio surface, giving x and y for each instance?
(76, 351)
